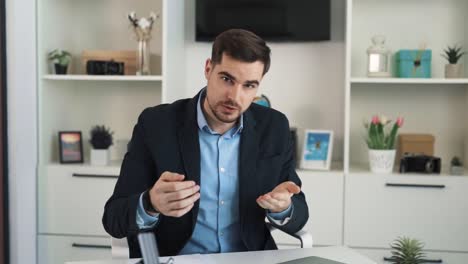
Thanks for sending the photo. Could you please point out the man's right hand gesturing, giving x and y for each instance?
(172, 196)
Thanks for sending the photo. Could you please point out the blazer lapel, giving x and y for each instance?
(247, 164)
(190, 148)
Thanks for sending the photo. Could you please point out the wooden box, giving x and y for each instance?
(128, 57)
(415, 143)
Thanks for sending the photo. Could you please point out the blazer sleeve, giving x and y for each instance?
(300, 213)
(137, 174)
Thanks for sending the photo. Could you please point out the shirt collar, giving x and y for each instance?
(203, 124)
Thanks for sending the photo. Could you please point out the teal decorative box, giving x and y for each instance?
(414, 63)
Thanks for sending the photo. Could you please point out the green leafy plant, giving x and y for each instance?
(60, 57)
(456, 162)
(453, 54)
(379, 136)
(101, 137)
(407, 251)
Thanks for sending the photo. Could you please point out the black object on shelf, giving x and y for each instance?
(98, 67)
(420, 163)
(60, 69)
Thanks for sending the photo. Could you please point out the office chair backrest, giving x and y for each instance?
(120, 248)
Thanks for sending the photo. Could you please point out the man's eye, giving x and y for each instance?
(250, 86)
(226, 79)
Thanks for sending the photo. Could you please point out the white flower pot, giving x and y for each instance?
(457, 170)
(454, 71)
(381, 161)
(100, 157)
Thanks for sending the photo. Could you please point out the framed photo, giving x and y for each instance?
(71, 147)
(317, 149)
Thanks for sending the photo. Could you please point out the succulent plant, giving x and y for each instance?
(456, 161)
(101, 137)
(453, 54)
(407, 251)
(61, 57)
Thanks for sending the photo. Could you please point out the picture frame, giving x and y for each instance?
(317, 149)
(71, 146)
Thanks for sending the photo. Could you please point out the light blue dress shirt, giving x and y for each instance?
(218, 227)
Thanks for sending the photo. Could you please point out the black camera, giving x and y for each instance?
(97, 67)
(419, 163)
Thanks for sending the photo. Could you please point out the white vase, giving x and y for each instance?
(99, 157)
(454, 71)
(381, 160)
(457, 170)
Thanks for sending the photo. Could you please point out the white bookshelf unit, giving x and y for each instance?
(379, 208)
(436, 105)
(71, 197)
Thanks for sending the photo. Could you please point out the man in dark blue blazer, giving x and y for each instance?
(203, 173)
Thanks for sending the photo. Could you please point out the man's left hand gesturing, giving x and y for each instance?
(279, 198)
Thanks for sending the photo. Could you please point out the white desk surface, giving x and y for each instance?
(338, 253)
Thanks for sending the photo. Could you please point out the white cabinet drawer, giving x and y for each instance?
(379, 256)
(72, 198)
(433, 209)
(324, 194)
(54, 249)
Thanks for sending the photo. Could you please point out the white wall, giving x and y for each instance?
(305, 80)
(22, 128)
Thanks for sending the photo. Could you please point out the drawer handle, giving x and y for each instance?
(94, 175)
(77, 245)
(436, 186)
(422, 260)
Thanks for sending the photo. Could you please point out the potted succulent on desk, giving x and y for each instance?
(453, 69)
(406, 251)
(456, 166)
(381, 143)
(101, 139)
(61, 60)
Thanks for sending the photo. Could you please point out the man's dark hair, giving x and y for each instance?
(241, 45)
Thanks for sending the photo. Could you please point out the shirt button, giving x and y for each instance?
(221, 202)
(222, 169)
(221, 234)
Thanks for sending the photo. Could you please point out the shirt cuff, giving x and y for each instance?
(281, 218)
(143, 219)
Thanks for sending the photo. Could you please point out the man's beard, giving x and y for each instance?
(222, 117)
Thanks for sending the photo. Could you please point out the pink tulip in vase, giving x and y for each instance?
(380, 140)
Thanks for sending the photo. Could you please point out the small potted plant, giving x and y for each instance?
(453, 69)
(406, 251)
(380, 140)
(101, 139)
(456, 166)
(61, 59)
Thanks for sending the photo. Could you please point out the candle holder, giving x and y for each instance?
(378, 60)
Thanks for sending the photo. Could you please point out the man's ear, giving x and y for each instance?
(208, 68)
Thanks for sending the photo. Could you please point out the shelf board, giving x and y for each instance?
(336, 167)
(364, 169)
(409, 80)
(111, 170)
(75, 77)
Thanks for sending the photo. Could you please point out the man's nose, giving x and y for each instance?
(235, 92)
